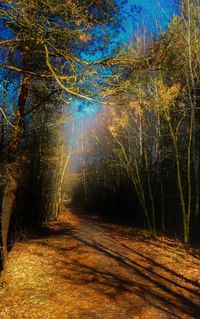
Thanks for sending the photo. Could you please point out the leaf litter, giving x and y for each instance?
(83, 267)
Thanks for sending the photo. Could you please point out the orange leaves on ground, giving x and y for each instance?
(82, 267)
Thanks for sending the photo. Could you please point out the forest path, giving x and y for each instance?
(84, 268)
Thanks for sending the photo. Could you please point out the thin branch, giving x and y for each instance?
(60, 83)
(7, 120)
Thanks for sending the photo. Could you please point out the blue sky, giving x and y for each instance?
(131, 16)
(106, 40)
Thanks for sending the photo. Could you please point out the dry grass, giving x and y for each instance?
(81, 267)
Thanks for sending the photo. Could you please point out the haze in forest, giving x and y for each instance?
(99, 132)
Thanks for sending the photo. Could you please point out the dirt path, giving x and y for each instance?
(84, 268)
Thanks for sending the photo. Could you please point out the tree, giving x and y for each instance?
(154, 130)
(41, 36)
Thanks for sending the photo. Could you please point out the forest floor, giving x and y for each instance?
(82, 267)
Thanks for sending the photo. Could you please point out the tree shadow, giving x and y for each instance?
(137, 274)
(170, 271)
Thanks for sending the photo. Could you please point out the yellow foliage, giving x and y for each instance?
(84, 37)
(134, 104)
(168, 95)
(137, 107)
(123, 120)
(126, 84)
(112, 130)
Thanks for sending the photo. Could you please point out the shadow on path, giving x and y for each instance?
(106, 261)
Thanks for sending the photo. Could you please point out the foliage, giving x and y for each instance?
(153, 130)
(37, 58)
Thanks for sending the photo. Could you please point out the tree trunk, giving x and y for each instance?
(11, 176)
(7, 208)
(18, 130)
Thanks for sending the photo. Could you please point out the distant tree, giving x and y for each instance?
(153, 110)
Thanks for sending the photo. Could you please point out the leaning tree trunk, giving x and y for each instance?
(12, 167)
(7, 209)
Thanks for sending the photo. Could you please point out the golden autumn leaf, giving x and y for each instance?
(123, 120)
(134, 104)
(84, 37)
